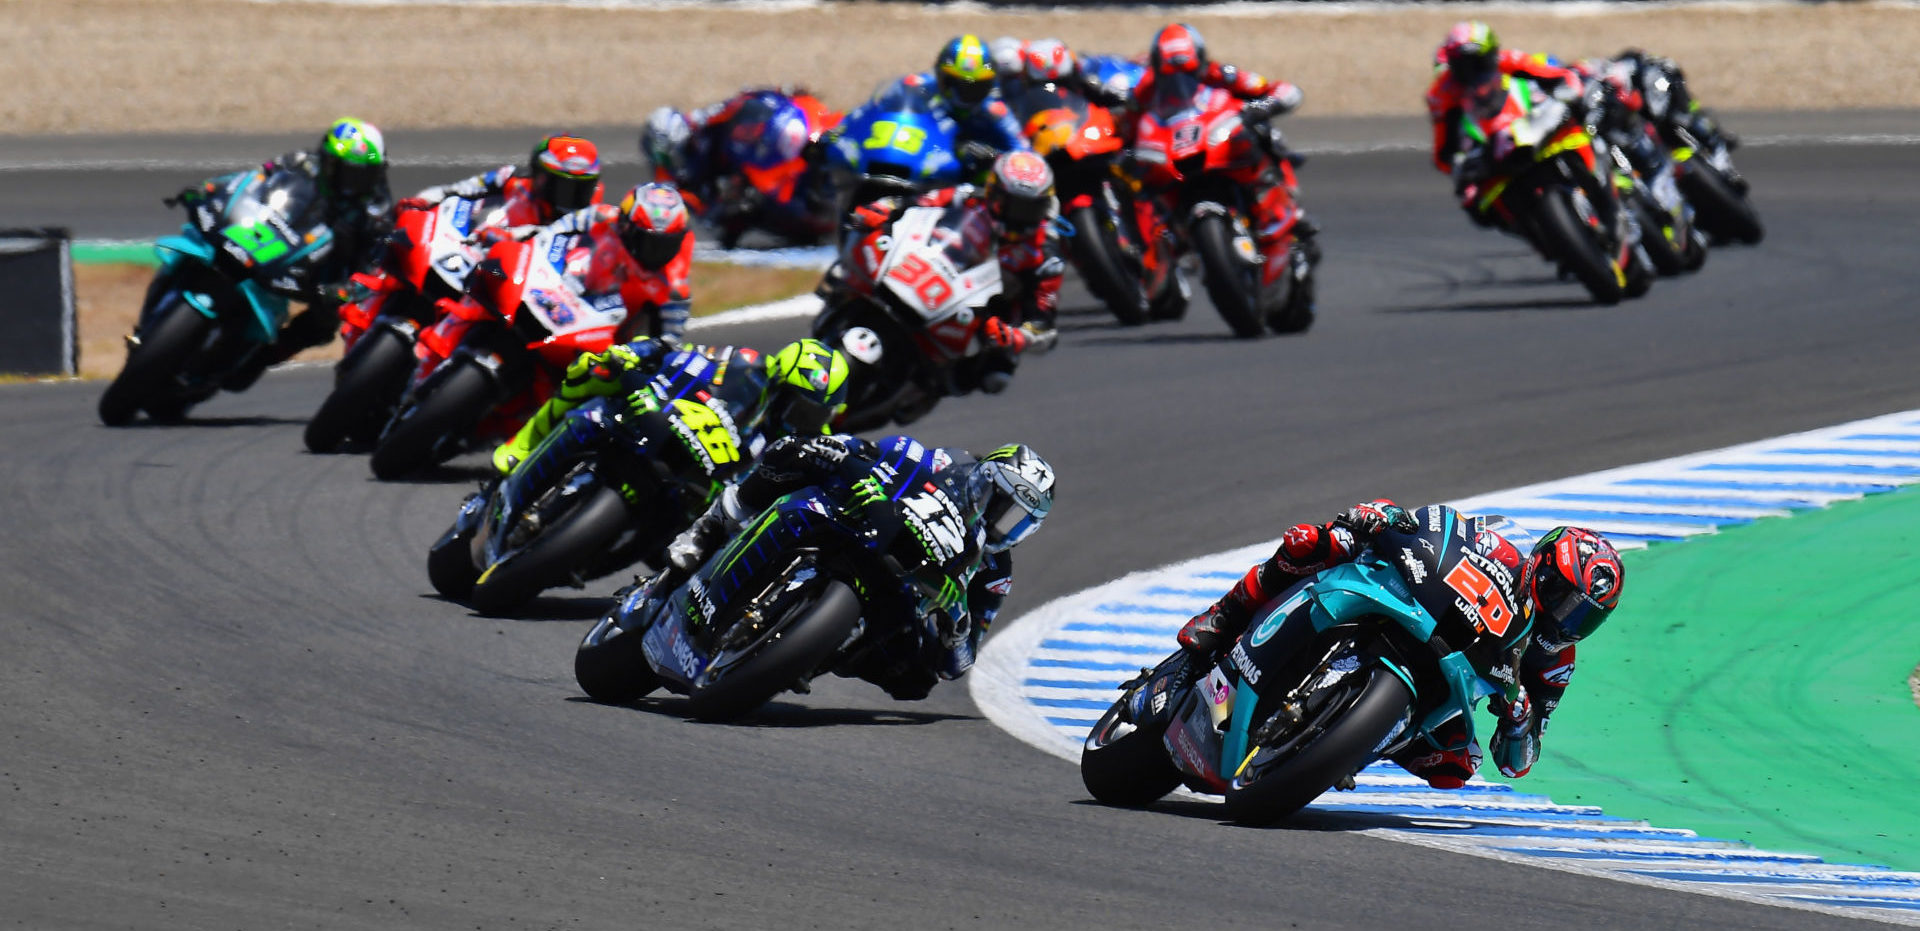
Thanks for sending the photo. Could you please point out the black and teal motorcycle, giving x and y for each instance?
(823, 581)
(220, 295)
(1347, 667)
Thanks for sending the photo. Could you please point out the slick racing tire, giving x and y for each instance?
(1231, 281)
(371, 378)
(176, 334)
(450, 565)
(571, 541)
(781, 658)
(1570, 241)
(1097, 255)
(1275, 789)
(1669, 257)
(1126, 766)
(1718, 208)
(428, 430)
(611, 666)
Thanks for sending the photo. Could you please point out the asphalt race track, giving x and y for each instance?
(233, 702)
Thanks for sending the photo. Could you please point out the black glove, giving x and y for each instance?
(1371, 517)
(1261, 110)
(975, 154)
(187, 195)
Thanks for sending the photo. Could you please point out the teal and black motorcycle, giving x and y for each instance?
(220, 295)
(1350, 666)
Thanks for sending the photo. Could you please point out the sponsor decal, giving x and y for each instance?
(1001, 586)
(933, 518)
(1433, 519)
(1416, 570)
(1244, 663)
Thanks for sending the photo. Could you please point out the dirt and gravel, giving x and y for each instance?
(208, 65)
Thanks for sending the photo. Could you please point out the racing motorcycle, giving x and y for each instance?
(1644, 172)
(1350, 666)
(495, 356)
(1082, 145)
(911, 317)
(1715, 188)
(766, 183)
(895, 145)
(427, 259)
(220, 295)
(609, 486)
(817, 583)
(1196, 161)
(1538, 170)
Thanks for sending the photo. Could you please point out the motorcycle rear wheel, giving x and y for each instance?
(371, 379)
(1572, 243)
(1668, 257)
(1348, 743)
(1128, 771)
(178, 331)
(1230, 282)
(570, 542)
(611, 665)
(779, 661)
(427, 431)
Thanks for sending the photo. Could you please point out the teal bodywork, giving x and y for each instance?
(192, 244)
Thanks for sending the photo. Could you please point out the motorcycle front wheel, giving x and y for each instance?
(370, 380)
(147, 380)
(1280, 787)
(1570, 241)
(611, 666)
(821, 622)
(1230, 277)
(428, 430)
(570, 541)
(1124, 765)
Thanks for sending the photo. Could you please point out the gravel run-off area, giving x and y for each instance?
(112, 66)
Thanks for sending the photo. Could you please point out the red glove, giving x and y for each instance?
(413, 203)
(1010, 338)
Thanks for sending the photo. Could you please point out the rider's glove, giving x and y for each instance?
(1371, 517)
(412, 203)
(1266, 108)
(1517, 718)
(975, 153)
(999, 333)
(822, 453)
(187, 195)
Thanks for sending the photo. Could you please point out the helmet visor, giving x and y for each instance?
(965, 92)
(801, 415)
(1469, 67)
(1023, 213)
(651, 249)
(355, 180)
(1570, 614)
(1007, 522)
(565, 194)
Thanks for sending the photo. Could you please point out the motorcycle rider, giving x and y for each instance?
(1630, 74)
(1018, 204)
(1570, 581)
(1009, 64)
(1005, 496)
(803, 386)
(349, 169)
(1178, 55)
(961, 89)
(687, 149)
(562, 175)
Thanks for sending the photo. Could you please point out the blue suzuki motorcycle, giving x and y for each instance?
(1347, 667)
(894, 144)
(220, 295)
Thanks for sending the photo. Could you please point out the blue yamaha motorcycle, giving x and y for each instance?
(220, 295)
(1350, 666)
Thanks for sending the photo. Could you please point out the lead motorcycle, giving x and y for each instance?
(1350, 666)
(610, 485)
(911, 315)
(220, 295)
(816, 582)
(495, 356)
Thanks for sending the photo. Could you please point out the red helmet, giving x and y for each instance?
(1573, 578)
(1178, 49)
(1050, 60)
(653, 224)
(565, 171)
(1020, 191)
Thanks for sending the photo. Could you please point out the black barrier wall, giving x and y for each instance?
(38, 333)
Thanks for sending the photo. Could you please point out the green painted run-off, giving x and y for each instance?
(105, 251)
(1753, 687)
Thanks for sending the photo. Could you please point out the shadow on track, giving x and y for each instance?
(254, 420)
(1307, 819)
(785, 714)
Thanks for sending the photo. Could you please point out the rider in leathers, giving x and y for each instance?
(909, 664)
(1560, 618)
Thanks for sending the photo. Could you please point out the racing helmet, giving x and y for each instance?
(653, 224)
(806, 389)
(1011, 489)
(963, 71)
(1019, 191)
(353, 159)
(665, 141)
(1050, 60)
(1009, 56)
(1177, 49)
(1471, 52)
(565, 171)
(1572, 578)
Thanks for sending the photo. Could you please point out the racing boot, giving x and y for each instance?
(690, 549)
(1442, 769)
